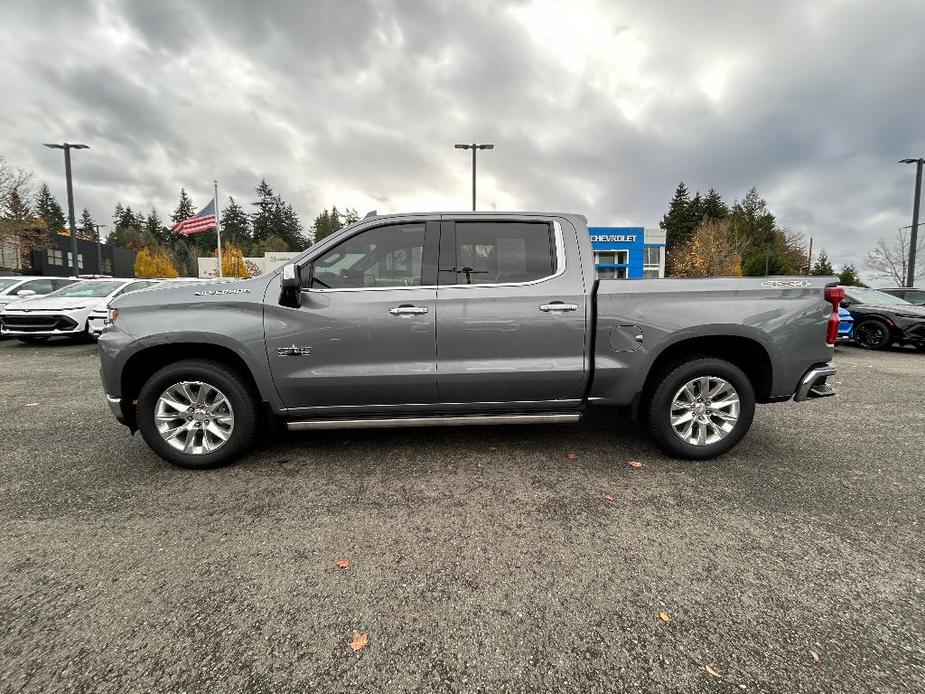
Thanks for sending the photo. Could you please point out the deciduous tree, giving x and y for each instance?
(890, 257)
(709, 252)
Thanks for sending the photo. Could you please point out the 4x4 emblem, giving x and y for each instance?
(293, 351)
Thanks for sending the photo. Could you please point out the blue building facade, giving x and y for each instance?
(628, 252)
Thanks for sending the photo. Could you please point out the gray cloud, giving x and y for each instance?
(594, 107)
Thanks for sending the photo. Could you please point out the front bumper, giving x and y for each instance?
(95, 325)
(813, 384)
(115, 404)
(39, 325)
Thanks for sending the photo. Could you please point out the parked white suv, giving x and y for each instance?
(64, 312)
(17, 288)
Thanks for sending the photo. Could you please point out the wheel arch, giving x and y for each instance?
(746, 353)
(141, 365)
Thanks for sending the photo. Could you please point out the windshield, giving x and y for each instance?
(89, 289)
(859, 295)
(8, 282)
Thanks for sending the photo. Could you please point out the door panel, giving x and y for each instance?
(360, 353)
(508, 341)
(364, 334)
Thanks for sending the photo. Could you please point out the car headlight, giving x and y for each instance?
(113, 314)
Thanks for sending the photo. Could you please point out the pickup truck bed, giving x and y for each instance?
(460, 318)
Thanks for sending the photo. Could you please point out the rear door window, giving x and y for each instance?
(498, 253)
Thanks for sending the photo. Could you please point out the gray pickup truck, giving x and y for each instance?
(464, 318)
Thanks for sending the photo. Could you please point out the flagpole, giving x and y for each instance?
(218, 229)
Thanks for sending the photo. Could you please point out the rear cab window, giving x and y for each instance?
(497, 252)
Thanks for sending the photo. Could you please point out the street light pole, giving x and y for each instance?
(67, 147)
(914, 236)
(99, 252)
(474, 146)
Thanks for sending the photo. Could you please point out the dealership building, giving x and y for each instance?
(628, 252)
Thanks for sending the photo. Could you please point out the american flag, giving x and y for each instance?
(201, 221)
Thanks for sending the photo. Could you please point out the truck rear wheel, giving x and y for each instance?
(197, 414)
(701, 408)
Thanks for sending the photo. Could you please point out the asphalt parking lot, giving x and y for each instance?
(481, 560)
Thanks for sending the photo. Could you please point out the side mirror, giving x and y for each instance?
(845, 303)
(25, 292)
(290, 278)
(290, 282)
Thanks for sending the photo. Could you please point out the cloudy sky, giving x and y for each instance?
(598, 108)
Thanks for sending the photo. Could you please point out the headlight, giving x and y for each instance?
(113, 314)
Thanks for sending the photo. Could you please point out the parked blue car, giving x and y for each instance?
(845, 325)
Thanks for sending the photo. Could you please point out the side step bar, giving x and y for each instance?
(440, 421)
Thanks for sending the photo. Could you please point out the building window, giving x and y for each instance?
(611, 257)
(80, 260)
(107, 266)
(651, 255)
(55, 257)
(611, 273)
(650, 273)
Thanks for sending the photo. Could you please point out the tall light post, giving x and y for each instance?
(914, 236)
(67, 147)
(99, 252)
(474, 146)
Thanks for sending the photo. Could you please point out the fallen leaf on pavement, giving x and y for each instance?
(30, 404)
(607, 497)
(634, 463)
(815, 656)
(664, 617)
(343, 563)
(572, 456)
(360, 639)
(712, 671)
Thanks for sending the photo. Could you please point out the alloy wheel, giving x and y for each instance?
(194, 417)
(704, 410)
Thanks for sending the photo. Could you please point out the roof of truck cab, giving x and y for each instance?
(477, 213)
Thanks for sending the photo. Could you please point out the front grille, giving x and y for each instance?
(26, 323)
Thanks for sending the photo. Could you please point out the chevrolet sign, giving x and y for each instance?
(614, 238)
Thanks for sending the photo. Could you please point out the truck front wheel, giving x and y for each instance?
(197, 414)
(700, 408)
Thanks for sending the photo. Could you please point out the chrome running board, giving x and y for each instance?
(437, 421)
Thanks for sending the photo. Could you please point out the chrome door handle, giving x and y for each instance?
(408, 310)
(558, 306)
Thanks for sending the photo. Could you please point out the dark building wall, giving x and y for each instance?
(118, 262)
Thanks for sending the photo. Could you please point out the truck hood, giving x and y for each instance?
(173, 293)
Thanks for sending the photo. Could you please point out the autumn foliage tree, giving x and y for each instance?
(710, 251)
(154, 262)
(233, 264)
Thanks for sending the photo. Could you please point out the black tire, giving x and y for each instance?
(38, 339)
(872, 333)
(229, 382)
(671, 381)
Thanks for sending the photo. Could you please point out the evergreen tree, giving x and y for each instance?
(713, 205)
(849, 277)
(86, 227)
(275, 218)
(183, 258)
(127, 229)
(822, 266)
(236, 225)
(154, 228)
(185, 208)
(676, 220)
(327, 222)
(695, 211)
(48, 210)
(752, 223)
